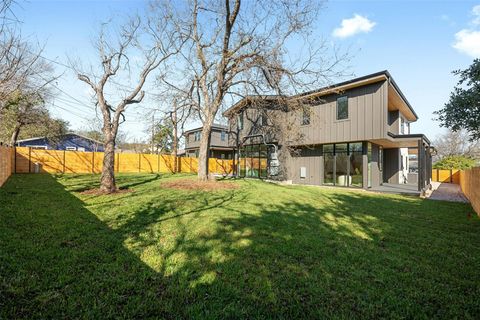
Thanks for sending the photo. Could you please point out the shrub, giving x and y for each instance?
(454, 162)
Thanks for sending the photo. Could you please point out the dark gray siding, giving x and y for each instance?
(391, 165)
(312, 160)
(215, 141)
(367, 117)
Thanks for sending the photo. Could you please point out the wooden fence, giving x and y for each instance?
(470, 184)
(449, 176)
(28, 160)
(6, 159)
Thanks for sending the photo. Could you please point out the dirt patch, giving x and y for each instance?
(98, 192)
(212, 185)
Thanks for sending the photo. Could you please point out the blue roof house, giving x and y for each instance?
(69, 142)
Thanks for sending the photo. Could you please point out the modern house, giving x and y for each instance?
(69, 142)
(219, 147)
(354, 134)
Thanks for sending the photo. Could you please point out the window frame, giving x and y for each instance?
(240, 120)
(70, 148)
(337, 108)
(306, 115)
(197, 136)
(223, 135)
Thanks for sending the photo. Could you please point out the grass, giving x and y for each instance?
(259, 251)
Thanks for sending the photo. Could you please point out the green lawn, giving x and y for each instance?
(259, 251)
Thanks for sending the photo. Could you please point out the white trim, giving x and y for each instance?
(36, 147)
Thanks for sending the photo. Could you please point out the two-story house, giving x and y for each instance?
(355, 134)
(219, 147)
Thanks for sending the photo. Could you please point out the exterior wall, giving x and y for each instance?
(312, 160)
(394, 122)
(367, 116)
(69, 140)
(214, 153)
(215, 139)
(376, 174)
(391, 165)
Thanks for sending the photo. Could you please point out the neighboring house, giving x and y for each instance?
(355, 133)
(219, 147)
(69, 141)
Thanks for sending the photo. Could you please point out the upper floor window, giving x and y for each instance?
(342, 108)
(197, 136)
(223, 135)
(404, 126)
(262, 119)
(240, 121)
(305, 116)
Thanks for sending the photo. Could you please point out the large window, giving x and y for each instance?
(197, 135)
(240, 121)
(342, 108)
(342, 164)
(305, 116)
(356, 164)
(223, 135)
(328, 165)
(254, 161)
(262, 119)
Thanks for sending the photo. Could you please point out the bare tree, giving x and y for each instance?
(115, 55)
(456, 143)
(237, 49)
(21, 64)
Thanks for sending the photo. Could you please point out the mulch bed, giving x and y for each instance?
(211, 185)
(98, 192)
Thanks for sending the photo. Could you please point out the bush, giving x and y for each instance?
(454, 162)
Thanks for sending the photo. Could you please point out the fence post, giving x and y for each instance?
(63, 161)
(451, 180)
(14, 159)
(29, 160)
(158, 162)
(139, 162)
(93, 162)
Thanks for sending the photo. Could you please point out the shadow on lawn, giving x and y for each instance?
(347, 257)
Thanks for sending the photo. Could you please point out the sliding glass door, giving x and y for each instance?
(254, 161)
(342, 164)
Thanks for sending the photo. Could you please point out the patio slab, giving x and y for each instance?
(409, 189)
(448, 192)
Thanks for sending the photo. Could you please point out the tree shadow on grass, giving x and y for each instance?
(234, 254)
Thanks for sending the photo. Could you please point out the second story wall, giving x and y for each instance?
(367, 118)
(215, 140)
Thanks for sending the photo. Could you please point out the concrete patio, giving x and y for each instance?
(408, 189)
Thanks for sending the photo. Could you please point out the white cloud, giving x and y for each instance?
(468, 41)
(353, 26)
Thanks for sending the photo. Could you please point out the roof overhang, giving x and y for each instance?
(396, 99)
(401, 141)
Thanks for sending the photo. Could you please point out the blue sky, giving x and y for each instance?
(419, 42)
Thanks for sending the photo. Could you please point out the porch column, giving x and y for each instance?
(421, 167)
(365, 165)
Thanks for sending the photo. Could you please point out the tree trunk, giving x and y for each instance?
(107, 180)
(203, 154)
(14, 137)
